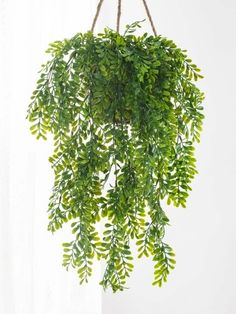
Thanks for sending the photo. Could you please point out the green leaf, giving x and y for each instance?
(124, 113)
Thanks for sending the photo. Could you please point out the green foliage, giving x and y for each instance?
(121, 109)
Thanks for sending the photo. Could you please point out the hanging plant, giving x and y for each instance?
(124, 113)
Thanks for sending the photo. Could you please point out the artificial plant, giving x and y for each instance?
(124, 113)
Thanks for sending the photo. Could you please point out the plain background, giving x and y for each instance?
(32, 280)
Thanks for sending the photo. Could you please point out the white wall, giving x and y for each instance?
(204, 234)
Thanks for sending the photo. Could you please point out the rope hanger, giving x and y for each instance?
(99, 6)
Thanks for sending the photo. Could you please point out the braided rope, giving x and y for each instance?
(150, 17)
(118, 16)
(96, 15)
(99, 6)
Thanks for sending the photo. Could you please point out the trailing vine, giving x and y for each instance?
(124, 112)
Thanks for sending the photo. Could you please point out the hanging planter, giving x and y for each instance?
(124, 113)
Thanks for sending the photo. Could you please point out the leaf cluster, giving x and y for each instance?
(122, 109)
